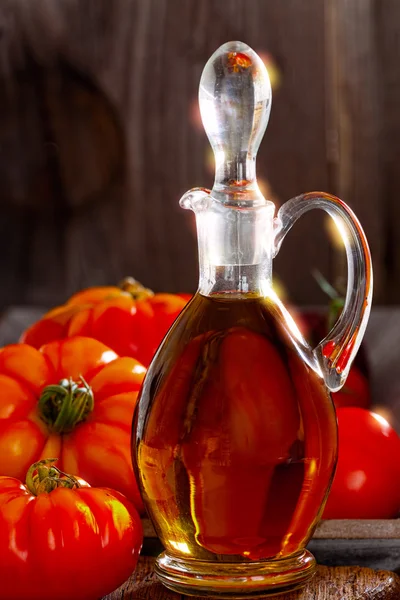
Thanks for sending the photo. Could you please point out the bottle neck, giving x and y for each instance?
(235, 249)
(234, 280)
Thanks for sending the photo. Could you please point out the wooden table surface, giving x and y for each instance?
(330, 583)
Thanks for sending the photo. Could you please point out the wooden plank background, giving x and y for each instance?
(99, 136)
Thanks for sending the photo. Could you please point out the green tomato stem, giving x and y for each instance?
(65, 405)
(43, 477)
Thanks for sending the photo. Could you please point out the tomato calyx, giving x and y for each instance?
(48, 477)
(135, 289)
(66, 404)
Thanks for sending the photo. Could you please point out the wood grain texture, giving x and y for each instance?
(98, 139)
(355, 120)
(330, 583)
(360, 529)
(99, 136)
(387, 48)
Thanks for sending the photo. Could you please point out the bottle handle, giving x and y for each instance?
(336, 352)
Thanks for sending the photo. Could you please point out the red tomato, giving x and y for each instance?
(61, 539)
(367, 480)
(74, 399)
(129, 319)
(355, 391)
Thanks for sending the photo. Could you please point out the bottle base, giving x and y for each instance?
(235, 580)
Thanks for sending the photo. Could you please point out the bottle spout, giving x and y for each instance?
(235, 102)
(196, 199)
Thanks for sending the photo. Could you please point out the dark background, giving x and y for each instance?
(99, 137)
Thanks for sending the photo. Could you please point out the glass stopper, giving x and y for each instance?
(235, 102)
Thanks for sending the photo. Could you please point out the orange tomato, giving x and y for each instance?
(129, 319)
(60, 538)
(73, 399)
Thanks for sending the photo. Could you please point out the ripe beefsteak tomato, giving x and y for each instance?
(130, 319)
(367, 480)
(60, 538)
(74, 399)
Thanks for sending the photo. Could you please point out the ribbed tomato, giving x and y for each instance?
(130, 319)
(73, 399)
(60, 538)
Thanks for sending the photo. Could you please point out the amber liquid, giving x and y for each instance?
(235, 435)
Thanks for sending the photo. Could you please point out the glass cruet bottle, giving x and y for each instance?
(234, 435)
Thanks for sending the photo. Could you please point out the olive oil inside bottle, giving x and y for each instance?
(235, 434)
